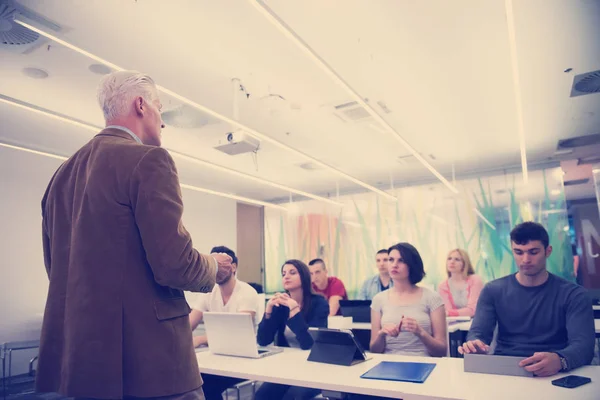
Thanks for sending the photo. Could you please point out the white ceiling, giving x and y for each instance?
(444, 72)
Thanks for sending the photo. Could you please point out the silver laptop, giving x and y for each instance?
(233, 334)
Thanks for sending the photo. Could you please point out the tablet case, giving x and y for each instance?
(333, 346)
(400, 371)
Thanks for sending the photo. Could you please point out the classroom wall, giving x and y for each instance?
(431, 218)
(23, 281)
(250, 243)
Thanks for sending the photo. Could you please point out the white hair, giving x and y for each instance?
(118, 89)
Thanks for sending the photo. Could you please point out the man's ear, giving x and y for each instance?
(140, 107)
(548, 251)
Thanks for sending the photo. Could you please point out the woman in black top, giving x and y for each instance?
(287, 318)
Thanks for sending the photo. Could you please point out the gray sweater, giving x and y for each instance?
(556, 316)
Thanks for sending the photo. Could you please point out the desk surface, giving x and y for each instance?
(447, 381)
(596, 307)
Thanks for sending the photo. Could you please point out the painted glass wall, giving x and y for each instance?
(430, 217)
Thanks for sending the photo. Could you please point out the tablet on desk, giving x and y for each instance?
(498, 365)
(335, 346)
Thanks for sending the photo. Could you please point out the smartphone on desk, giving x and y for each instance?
(571, 381)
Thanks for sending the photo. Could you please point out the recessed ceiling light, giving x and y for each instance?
(99, 69)
(35, 73)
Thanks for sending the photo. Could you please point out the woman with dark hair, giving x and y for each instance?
(287, 318)
(407, 319)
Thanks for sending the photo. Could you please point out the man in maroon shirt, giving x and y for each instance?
(331, 287)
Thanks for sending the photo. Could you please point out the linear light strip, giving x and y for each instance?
(252, 178)
(206, 110)
(70, 120)
(39, 153)
(266, 11)
(233, 196)
(4, 99)
(484, 219)
(512, 41)
(183, 185)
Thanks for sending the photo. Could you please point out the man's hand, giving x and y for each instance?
(474, 347)
(542, 364)
(224, 267)
(200, 341)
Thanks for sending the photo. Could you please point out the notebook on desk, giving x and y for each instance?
(400, 371)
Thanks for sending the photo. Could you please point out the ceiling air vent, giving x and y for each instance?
(352, 112)
(579, 141)
(587, 83)
(16, 38)
(11, 33)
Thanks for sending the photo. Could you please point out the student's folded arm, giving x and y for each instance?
(318, 319)
(580, 330)
(268, 328)
(485, 319)
(474, 293)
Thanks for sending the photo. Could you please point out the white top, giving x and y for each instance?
(407, 343)
(447, 381)
(243, 298)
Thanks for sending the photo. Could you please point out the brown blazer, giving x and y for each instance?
(118, 257)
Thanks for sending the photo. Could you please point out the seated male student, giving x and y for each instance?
(540, 315)
(228, 295)
(329, 286)
(379, 282)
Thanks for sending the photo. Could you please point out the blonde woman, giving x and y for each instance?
(461, 290)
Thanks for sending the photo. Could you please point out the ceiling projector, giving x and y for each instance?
(238, 142)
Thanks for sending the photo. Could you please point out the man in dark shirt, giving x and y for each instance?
(539, 315)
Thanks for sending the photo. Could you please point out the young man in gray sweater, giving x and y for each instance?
(539, 315)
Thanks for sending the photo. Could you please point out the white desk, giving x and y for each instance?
(448, 381)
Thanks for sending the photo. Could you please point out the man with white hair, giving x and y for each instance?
(118, 259)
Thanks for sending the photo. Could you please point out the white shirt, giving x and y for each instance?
(243, 298)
